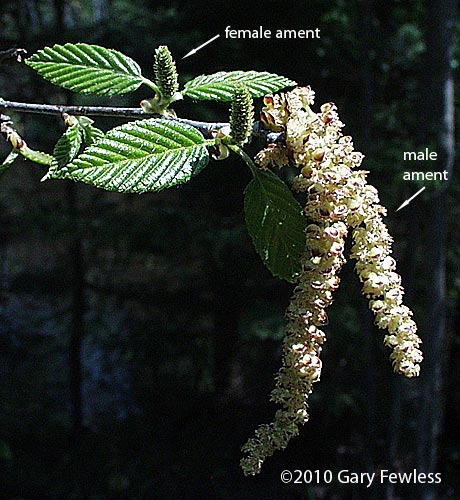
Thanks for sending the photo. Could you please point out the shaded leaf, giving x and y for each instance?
(67, 147)
(8, 161)
(276, 224)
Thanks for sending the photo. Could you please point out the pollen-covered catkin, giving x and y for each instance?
(326, 160)
(306, 314)
(382, 285)
(339, 199)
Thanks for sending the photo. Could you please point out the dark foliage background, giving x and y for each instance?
(139, 335)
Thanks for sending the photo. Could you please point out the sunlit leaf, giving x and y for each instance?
(141, 156)
(87, 69)
(220, 86)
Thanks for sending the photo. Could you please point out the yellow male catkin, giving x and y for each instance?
(339, 201)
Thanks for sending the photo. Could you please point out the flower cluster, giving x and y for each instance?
(339, 200)
(306, 313)
(382, 285)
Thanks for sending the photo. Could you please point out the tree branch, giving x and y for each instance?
(54, 109)
(17, 54)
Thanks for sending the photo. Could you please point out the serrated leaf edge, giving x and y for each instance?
(248, 78)
(128, 69)
(193, 149)
(256, 238)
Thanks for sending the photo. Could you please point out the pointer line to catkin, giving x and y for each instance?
(201, 46)
(411, 198)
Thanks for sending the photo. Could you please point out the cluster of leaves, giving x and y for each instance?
(156, 153)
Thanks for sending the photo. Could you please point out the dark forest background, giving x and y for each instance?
(139, 335)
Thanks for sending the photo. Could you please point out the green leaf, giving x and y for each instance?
(220, 86)
(8, 161)
(276, 224)
(141, 156)
(68, 146)
(88, 69)
(92, 134)
(35, 156)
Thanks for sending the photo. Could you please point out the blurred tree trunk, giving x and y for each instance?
(439, 104)
(77, 281)
(59, 9)
(227, 312)
(77, 291)
(77, 316)
(366, 31)
(77, 335)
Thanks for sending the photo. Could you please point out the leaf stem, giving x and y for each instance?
(152, 85)
(245, 157)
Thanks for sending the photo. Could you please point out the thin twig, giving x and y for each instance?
(17, 54)
(54, 109)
